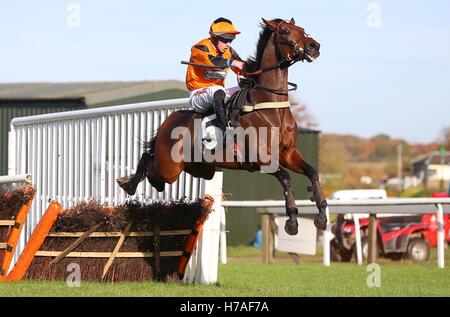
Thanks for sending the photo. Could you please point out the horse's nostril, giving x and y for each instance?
(313, 46)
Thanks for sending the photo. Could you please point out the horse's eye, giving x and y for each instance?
(286, 31)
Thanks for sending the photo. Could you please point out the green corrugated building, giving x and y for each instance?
(27, 99)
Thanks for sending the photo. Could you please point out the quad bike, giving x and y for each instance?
(397, 237)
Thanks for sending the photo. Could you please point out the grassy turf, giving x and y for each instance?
(245, 275)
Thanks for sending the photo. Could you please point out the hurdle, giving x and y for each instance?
(111, 244)
(77, 155)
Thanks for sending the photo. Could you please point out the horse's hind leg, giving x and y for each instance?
(144, 169)
(155, 180)
(283, 177)
(296, 162)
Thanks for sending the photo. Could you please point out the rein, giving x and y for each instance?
(276, 91)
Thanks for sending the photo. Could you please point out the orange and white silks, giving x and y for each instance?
(203, 53)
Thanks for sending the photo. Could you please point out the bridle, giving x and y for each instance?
(279, 39)
(284, 61)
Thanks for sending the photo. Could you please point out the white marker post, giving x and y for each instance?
(441, 237)
(358, 239)
(223, 237)
(326, 241)
(208, 243)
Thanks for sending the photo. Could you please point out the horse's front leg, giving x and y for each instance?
(321, 219)
(283, 177)
(295, 161)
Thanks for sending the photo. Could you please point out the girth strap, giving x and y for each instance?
(266, 105)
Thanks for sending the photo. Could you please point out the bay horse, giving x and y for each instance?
(281, 43)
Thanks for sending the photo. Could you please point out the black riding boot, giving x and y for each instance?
(234, 117)
(219, 101)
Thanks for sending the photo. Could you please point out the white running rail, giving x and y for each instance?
(439, 206)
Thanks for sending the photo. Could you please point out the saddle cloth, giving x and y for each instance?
(209, 137)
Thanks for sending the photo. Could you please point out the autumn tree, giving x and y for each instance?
(444, 137)
(301, 114)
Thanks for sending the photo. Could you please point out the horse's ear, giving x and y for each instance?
(292, 21)
(271, 24)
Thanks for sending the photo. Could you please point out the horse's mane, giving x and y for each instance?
(253, 63)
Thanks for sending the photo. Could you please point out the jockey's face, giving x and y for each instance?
(223, 44)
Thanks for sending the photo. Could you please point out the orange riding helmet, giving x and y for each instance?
(224, 28)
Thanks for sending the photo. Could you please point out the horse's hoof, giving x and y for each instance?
(320, 221)
(124, 183)
(291, 226)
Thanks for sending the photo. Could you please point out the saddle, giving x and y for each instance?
(242, 102)
(235, 105)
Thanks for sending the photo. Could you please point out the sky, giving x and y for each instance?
(384, 65)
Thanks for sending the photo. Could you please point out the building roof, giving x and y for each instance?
(307, 130)
(432, 158)
(91, 92)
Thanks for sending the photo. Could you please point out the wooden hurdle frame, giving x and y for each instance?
(42, 232)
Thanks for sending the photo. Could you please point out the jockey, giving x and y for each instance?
(206, 84)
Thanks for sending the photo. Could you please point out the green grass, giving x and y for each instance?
(245, 275)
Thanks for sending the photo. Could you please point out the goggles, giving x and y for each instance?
(224, 40)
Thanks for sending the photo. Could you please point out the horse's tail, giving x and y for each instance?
(149, 147)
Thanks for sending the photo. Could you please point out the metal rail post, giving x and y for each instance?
(326, 241)
(372, 254)
(441, 236)
(223, 237)
(359, 259)
(267, 239)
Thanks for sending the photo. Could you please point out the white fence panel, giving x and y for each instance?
(75, 156)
